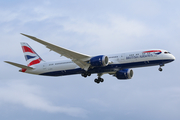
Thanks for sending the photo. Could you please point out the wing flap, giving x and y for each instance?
(19, 65)
(82, 64)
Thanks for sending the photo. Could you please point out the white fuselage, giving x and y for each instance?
(116, 62)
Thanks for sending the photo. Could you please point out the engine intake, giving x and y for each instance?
(99, 61)
(124, 74)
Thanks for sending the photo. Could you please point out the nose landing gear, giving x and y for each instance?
(160, 69)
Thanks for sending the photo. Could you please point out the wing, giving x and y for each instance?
(78, 58)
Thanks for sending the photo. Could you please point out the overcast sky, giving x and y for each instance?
(91, 27)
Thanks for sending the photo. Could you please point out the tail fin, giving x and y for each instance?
(30, 55)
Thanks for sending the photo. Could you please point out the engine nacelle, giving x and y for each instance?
(99, 61)
(124, 74)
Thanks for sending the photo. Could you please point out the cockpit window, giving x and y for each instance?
(167, 52)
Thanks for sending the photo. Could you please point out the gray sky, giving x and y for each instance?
(91, 27)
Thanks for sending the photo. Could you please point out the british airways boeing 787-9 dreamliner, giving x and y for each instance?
(118, 65)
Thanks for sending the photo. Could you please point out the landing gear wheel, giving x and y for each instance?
(85, 74)
(160, 69)
(101, 79)
(97, 81)
(160, 65)
(88, 74)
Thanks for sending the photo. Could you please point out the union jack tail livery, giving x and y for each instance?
(30, 55)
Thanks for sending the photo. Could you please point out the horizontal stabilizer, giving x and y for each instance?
(19, 65)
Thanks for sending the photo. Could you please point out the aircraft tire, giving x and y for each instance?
(97, 81)
(102, 80)
(160, 69)
(88, 74)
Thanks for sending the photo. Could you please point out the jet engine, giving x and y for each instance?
(124, 74)
(99, 61)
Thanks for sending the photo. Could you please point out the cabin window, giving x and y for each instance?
(167, 52)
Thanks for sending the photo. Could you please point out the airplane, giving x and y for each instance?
(118, 65)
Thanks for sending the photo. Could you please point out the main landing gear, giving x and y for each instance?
(160, 69)
(85, 74)
(99, 79)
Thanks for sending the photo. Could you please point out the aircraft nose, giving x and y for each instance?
(173, 58)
